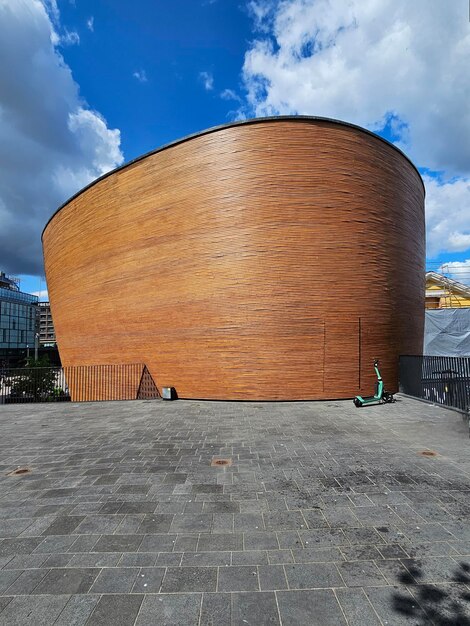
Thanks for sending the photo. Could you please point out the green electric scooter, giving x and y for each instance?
(380, 394)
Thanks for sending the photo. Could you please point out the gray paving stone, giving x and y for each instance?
(260, 541)
(396, 606)
(289, 539)
(7, 578)
(223, 506)
(13, 527)
(221, 542)
(366, 536)
(222, 523)
(186, 543)
(56, 560)
(116, 610)
(134, 507)
(250, 557)
(279, 556)
(313, 575)
(25, 583)
(154, 543)
(317, 607)
(433, 569)
(155, 523)
(196, 559)
(256, 608)
(139, 559)
(238, 579)
(392, 551)
(394, 572)
(283, 520)
(317, 555)
(460, 547)
(33, 610)
(95, 559)
(361, 574)
(443, 604)
(169, 558)
(64, 525)
(55, 543)
(4, 600)
(118, 543)
(356, 607)
(115, 580)
(24, 561)
(216, 609)
(84, 543)
(360, 553)
(98, 525)
(12, 547)
(323, 538)
(67, 581)
(272, 577)
(191, 523)
(128, 470)
(168, 610)
(181, 579)
(149, 580)
(77, 610)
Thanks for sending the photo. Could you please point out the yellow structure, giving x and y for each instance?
(443, 292)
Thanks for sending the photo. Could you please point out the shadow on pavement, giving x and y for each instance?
(432, 604)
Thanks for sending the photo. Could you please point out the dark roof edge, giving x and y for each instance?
(213, 129)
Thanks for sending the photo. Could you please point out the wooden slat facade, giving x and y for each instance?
(271, 260)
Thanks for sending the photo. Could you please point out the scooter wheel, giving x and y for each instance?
(388, 397)
(357, 402)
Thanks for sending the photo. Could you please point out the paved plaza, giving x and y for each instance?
(323, 514)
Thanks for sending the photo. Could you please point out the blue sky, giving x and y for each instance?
(89, 84)
(173, 43)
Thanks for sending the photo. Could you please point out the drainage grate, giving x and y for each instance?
(428, 453)
(221, 462)
(19, 471)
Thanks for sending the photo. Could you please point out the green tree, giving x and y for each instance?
(36, 381)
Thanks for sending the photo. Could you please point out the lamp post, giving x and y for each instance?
(27, 351)
(36, 346)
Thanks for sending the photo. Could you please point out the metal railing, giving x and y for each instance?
(440, 379)
(82, 383)
(33, 384)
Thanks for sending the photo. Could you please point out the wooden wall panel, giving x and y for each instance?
(237, 263)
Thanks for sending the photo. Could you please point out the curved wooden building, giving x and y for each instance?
(271, 259)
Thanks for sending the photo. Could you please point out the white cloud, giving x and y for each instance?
(457, 270)
(90, 23)
(207, 80)
(141, 76)
(229, 94)
(447, 215)
(51, 142)
(371, 62)
(70, 38)
(43, 295)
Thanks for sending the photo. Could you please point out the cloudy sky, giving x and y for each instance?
(86, 85)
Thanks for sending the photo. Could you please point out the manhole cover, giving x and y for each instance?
(19, 471)
(221, 462)
(428, 453)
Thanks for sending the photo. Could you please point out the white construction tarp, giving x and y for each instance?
(447, 332)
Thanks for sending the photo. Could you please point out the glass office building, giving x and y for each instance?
(19, 319)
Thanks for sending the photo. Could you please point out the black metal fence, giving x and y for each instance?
(84, 383)
(33, 384)
(440, 379)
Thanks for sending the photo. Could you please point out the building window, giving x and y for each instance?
(13, 324)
